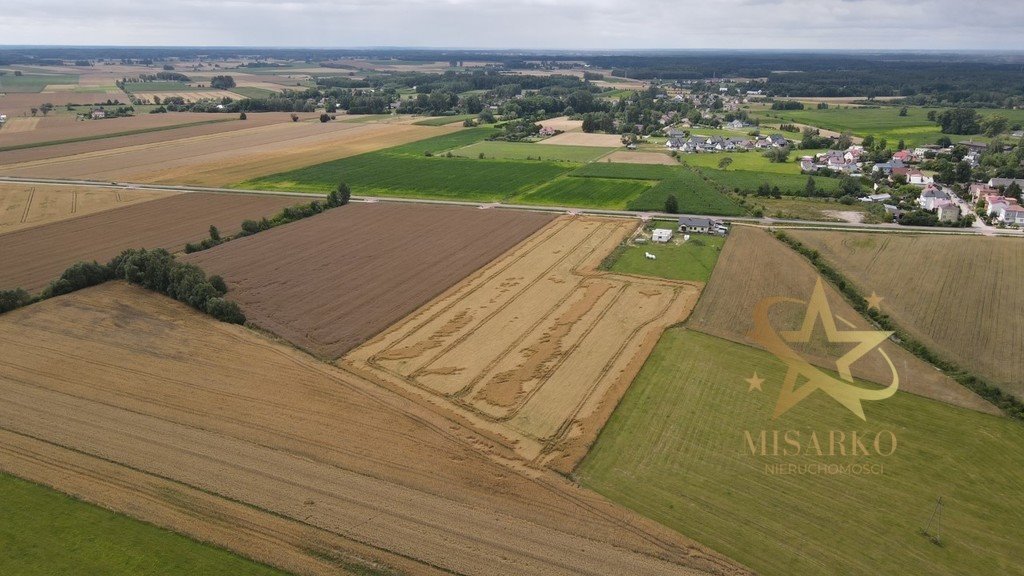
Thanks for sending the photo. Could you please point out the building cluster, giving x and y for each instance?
(1001, 208)
(695, 144)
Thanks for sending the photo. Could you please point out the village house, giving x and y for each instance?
(661, 235)
(1006, 210)
(690, 225)
(1005, 182)
(98, 114)
(887, 167)
(547, 131)
(947, 211)
(979, 191)
(918, 178)
(931, 196)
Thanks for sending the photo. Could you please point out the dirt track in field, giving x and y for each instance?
(329, 282)
(754, 265)
(538, 347)
(216, 157)
(34, 256)
(28, 205)
(133, 401)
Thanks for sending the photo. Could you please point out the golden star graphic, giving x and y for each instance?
(842, 389)
(874, 301)
(818, 309)
(755, 383)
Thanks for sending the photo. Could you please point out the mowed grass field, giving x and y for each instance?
(530, 151)
(747, 181)
(691, 260)
(608, 193)
(961, 297)
(694, 194)
(752, 161)
(884, 122)
(33, 82)
(674, 451)
(44, 532)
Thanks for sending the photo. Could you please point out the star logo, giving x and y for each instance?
(755, 383)
(874, 301)
(818, 313)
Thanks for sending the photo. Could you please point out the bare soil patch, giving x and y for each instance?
(536, 348)
(210, 429)
(562, 123)
(329, 282)
(34, 256)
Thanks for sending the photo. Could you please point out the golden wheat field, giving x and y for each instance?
(213, 430)
(537, 347)
(961, 296)
(28, 205)
(754, 265)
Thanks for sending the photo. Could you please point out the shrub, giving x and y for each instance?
(218, 284)
(79, 275)
(11, 299)
(225, 311)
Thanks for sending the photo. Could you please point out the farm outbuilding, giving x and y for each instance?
(661, 235)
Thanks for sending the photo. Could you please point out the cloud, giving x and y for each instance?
(540, 24)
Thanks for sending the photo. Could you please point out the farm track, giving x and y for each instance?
(214, 431)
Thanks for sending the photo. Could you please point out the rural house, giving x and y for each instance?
(931, 196)
(661, 235)
(947, 211)
(690, 224)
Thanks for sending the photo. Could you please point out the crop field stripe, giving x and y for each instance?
(28, 205)
(111, 135)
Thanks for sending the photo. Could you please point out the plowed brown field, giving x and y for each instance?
(537, 348)
(219, 158)
(133, 401)
(34, 256)
(960, 296)
(754, 265)
(28, 205)
(329, 282)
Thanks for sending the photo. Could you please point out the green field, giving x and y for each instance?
(445, 142)
(33, 82)
(43, 532)
(674, 451)
(803, 208)
(445, 120)
(612, 194)
(252, 92)
(884, 122)
(690, 260)
(629, 171)
(528, 151)
(693, 193)
(789, 184)
(752, 161)
(387, 174)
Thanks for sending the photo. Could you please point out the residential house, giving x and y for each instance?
(675, 133)
(979, 191)
(877, 198)
(778, 140)
(547, 131)
(918, 178)
(930, 196)
(698, 225)
(1004, 182)
(1005, 209)
(98, 113)
(903, 156)
(661, 235)
(887, 167)
(736, 124)
(947, 211)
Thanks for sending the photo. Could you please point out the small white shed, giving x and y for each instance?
(661, 235)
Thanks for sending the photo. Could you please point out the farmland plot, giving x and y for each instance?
(329, 282)
(959, 296)
(32, 257)
(28, 205)
(538, 347)
(754, 265)
(212, 430)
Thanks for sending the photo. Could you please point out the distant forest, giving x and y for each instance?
(971, 79)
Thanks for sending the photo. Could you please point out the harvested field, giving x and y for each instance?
(329, 282)
(222, 158)
(584, 139)
(562, 123)
(631, 157)
(961, 297)
(188, 95)
(212, 430)
(67, 127)
(28, 205)
(754, 265)
(35, 256)
(18, 126)
(537, 348)
(20, 104)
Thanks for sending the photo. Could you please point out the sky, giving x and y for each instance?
(532, 24)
